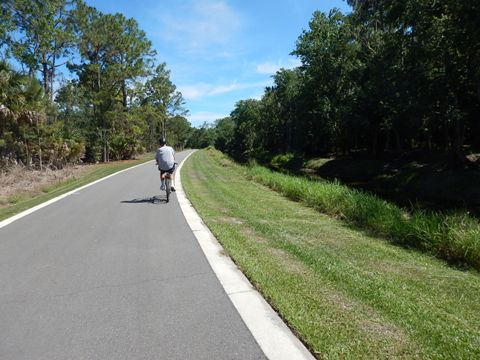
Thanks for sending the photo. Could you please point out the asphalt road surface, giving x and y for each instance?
(113, 272)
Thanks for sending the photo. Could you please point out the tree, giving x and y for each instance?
(390, 77)
(114, 52)
(178, 131)
(130, 51)
(425, 62)
(164, 102)
(202, 137)
(280, 120)
(224, 129)
(46, 35)
(117, 104)
(329, 55)
(246, 117)
(6, 22)
(25, 137)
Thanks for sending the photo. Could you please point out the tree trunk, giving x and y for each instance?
(40, 155)
(52, 76)
(98, 79)
(124, 95)
(28, 154)
(105, 145)
(46, 81)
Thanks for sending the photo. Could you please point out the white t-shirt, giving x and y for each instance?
(165, 157)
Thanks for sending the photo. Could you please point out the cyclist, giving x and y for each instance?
(165, 158)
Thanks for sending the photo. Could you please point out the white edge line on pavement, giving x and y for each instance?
(51, 201)
(274, 337)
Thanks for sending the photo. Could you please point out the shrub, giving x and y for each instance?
(287, 161)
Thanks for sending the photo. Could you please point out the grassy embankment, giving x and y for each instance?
(26, 199)
(345, 293)
(453, 237)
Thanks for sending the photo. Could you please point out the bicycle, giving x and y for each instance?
(168, 181)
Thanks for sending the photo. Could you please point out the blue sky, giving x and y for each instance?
(221, 51)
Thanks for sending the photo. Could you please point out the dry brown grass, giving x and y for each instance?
(19, 180)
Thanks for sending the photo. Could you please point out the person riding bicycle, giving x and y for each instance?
(165, 158)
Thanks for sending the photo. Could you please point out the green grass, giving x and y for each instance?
(453, 237)
(345, 293)
(21, 202)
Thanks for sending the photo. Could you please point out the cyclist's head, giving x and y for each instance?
(162, 141)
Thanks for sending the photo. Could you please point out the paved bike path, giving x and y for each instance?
(112, 272)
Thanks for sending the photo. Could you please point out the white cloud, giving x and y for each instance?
(271, 68)
(201, 90)
(268, 68)
(201, 25)
(197, 119)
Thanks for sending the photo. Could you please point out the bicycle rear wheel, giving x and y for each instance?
(167, 188)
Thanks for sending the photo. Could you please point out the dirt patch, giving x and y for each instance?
(374, 326)
(288, 262)
(230, 220)
(416, 271)
(383, 329)
(19, 180)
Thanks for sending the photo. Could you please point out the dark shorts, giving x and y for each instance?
(169, 171)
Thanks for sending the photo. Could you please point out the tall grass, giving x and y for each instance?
(453, 237)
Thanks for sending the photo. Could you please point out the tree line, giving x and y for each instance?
(390, 77)
(115, 101)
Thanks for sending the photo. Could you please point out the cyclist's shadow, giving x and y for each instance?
(156, 200)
